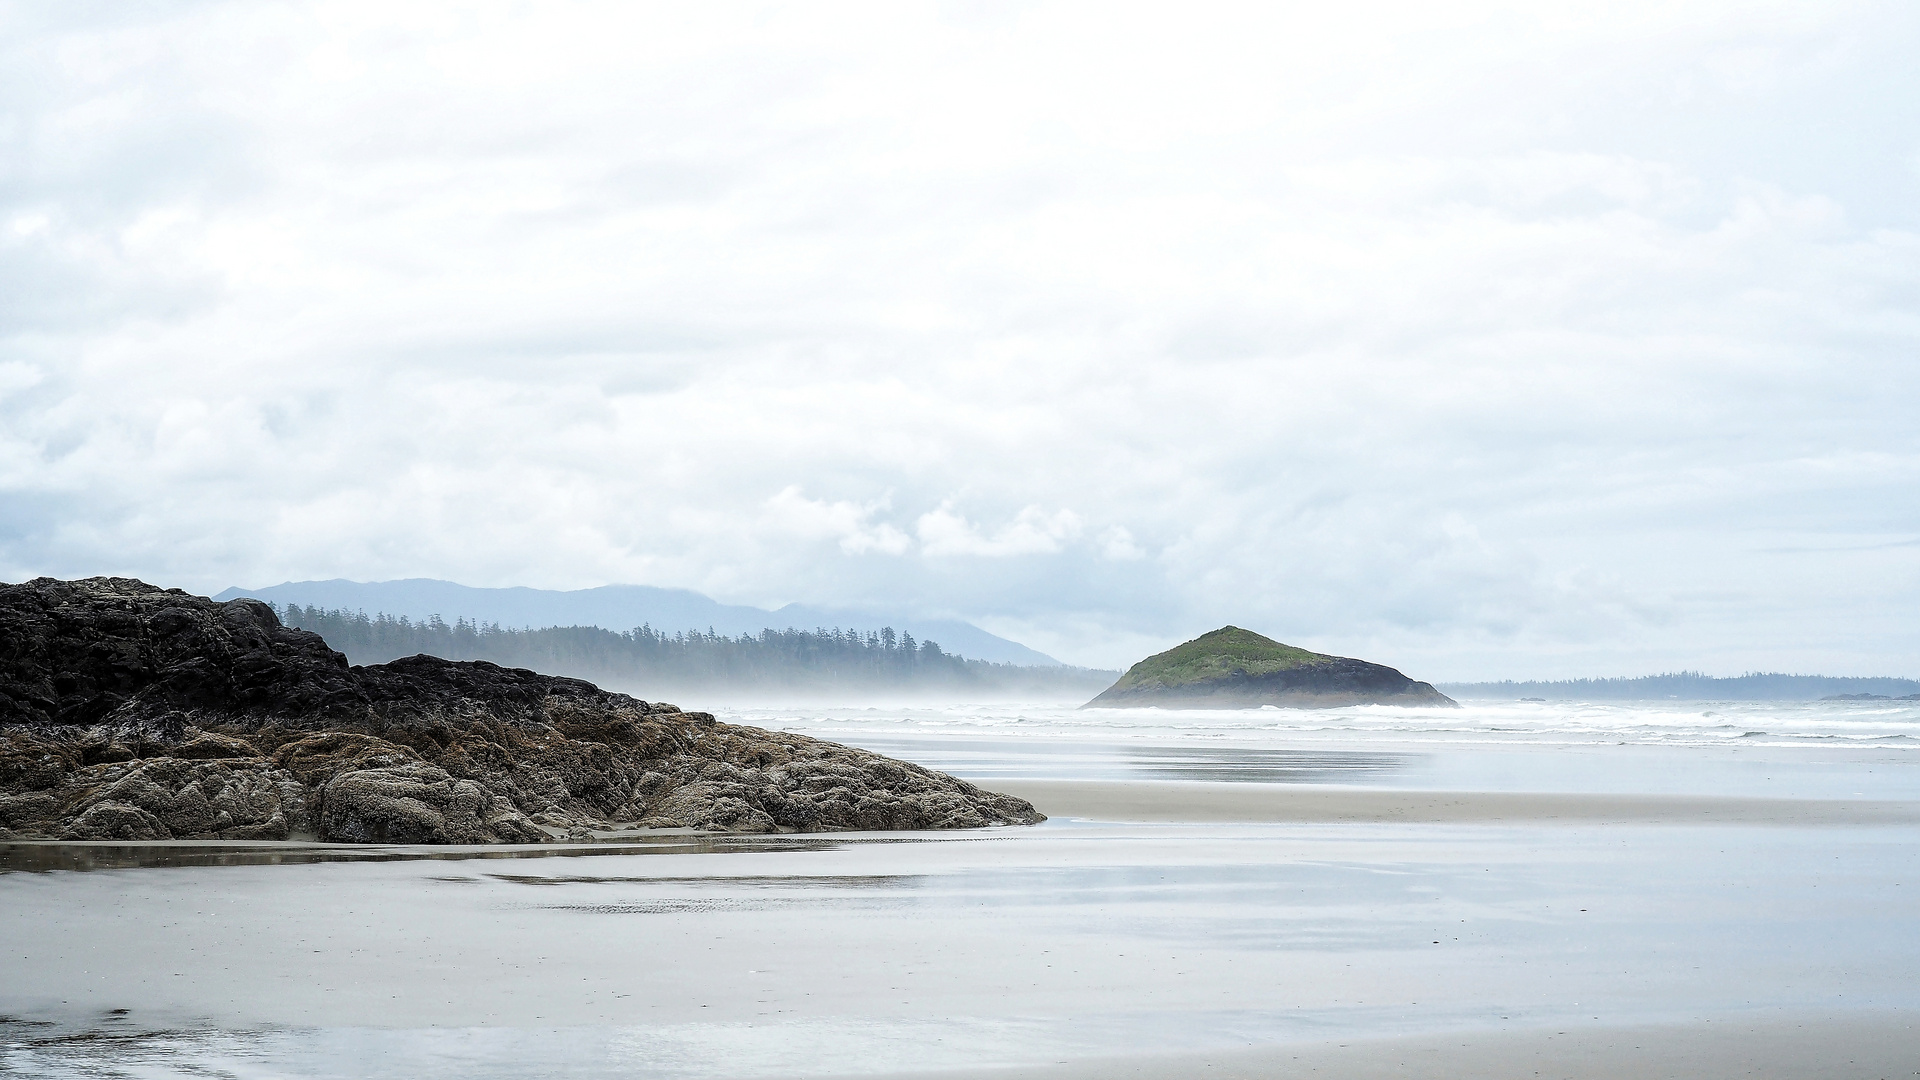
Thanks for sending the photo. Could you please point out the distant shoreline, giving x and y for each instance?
(1687, 686)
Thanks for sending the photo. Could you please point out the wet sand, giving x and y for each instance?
(1827, 1046)
(1687, 922)
(1176, 801)
(1187, 949)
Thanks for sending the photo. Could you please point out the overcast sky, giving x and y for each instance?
(1484, 340)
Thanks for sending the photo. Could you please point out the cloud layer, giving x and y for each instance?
(1472, 338)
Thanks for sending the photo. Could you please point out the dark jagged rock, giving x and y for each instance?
(130, 712)
(1231, 668)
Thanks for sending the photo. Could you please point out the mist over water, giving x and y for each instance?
(1814, 750)
(1474, 724)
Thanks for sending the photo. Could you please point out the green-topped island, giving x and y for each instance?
(1231, 668)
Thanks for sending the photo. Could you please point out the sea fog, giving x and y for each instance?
(1811, 750)
(1474, 723)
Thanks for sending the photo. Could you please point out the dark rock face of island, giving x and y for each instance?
(130, 712)
(1232, 668)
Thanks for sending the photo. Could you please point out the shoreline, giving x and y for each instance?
(1195, 802)
(1124, 802)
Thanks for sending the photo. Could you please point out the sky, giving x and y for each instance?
(1482, 339)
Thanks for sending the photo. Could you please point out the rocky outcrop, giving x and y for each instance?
(1869, 697)
(1231, 668)
(130, 712)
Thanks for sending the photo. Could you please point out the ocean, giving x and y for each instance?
(1810, 750)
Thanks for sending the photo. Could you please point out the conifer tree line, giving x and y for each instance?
(772, 658)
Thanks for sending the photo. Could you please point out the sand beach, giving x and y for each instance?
(1404, 903)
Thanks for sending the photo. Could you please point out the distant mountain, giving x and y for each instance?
(1690, 686)
(622, 608)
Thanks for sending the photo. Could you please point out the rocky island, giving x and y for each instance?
(132, 712)
(1231, 668)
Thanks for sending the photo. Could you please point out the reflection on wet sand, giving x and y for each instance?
(1250, 765)
(1014, 948)
(39, 856)
(989, 759)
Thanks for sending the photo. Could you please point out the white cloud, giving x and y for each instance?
(1485, 338)
(1032, 531)
(1116, 543)
(844, 522)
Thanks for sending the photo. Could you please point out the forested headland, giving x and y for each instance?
(647, 661)
(1689, 686)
